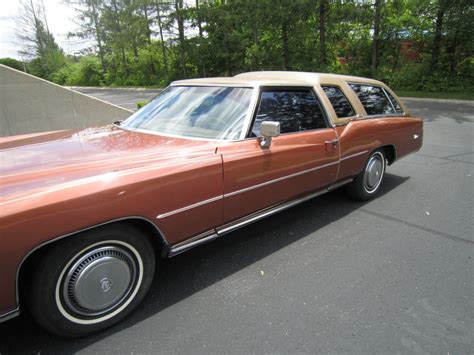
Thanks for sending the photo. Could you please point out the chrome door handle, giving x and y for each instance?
(333, 142)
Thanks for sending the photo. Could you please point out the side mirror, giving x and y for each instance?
(268, 130)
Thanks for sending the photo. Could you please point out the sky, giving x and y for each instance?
(60, 22)
(59, 17)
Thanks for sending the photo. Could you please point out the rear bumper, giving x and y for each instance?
(9, 315)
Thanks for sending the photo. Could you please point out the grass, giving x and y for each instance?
(140, 104)
(437, 95)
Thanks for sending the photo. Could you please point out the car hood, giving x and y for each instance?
(41, 160)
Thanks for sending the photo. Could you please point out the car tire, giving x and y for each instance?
(367, 184)
(92, 280)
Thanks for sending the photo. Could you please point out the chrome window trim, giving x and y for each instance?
(289, 133)
(251, 113)
(384, 115)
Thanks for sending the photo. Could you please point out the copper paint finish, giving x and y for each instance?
(60, 182)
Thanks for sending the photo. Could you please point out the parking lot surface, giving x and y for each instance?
(127, 98)
(331, 275)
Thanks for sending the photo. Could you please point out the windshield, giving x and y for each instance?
(195, 111)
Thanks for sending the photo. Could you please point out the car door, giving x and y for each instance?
(303, 158)
(381, 123)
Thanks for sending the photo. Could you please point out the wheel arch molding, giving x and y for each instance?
(154, 234)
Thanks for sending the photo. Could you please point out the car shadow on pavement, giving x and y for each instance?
(182, 276)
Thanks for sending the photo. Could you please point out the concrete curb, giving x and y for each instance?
(112, 88)
(452, 101)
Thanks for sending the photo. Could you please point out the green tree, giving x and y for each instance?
(37, 41)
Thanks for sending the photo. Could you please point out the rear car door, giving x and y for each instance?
(302, 159)
(380, 122)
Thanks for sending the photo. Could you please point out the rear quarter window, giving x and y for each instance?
(339, 101)
(373, 98)
(395, 103)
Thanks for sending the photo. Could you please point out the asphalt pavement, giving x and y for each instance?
(393, 275)
(126, 98)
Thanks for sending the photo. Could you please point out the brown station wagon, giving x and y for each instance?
(84, 213)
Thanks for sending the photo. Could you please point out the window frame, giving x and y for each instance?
(262, 89)
(378, 115)
(355, 115)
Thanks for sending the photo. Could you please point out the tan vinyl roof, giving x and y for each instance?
(277, 78)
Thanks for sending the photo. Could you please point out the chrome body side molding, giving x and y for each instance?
(244, 221)
(354, 155)
(185, 208)
(253, 187)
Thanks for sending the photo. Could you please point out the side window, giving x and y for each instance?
(395, 103)
(373, 99)
(296, 110)
(339, 101)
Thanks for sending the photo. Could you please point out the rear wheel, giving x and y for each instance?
(92, 280)
(367, 184)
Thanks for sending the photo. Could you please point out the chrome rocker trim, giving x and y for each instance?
(9, 315)
(211, 235)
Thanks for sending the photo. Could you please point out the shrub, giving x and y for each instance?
(12, 63)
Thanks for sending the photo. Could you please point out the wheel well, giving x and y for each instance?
(24, 273)
(390, 153)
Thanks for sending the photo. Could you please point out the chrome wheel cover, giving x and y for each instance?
(374, 172)
(99, 282)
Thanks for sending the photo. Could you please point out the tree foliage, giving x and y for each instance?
(411, 44)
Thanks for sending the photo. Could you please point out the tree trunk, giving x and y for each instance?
(182, 53)
(199, 21)
(397, 53)
(41, 47)
(285, 43)
(453, 58)
(95, 19)
(437, 38)
(375, 42)
(322, 33)
(147, 24)
(119, 30)
(163, 46)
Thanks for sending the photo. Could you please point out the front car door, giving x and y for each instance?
(303, 158)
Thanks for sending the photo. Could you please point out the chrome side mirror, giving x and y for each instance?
(268, 130)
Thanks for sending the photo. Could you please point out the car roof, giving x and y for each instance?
(277, 78)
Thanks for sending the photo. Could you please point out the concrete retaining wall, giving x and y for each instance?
(29, 104)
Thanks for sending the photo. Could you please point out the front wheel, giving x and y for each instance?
(367, 184)
(92, 280)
